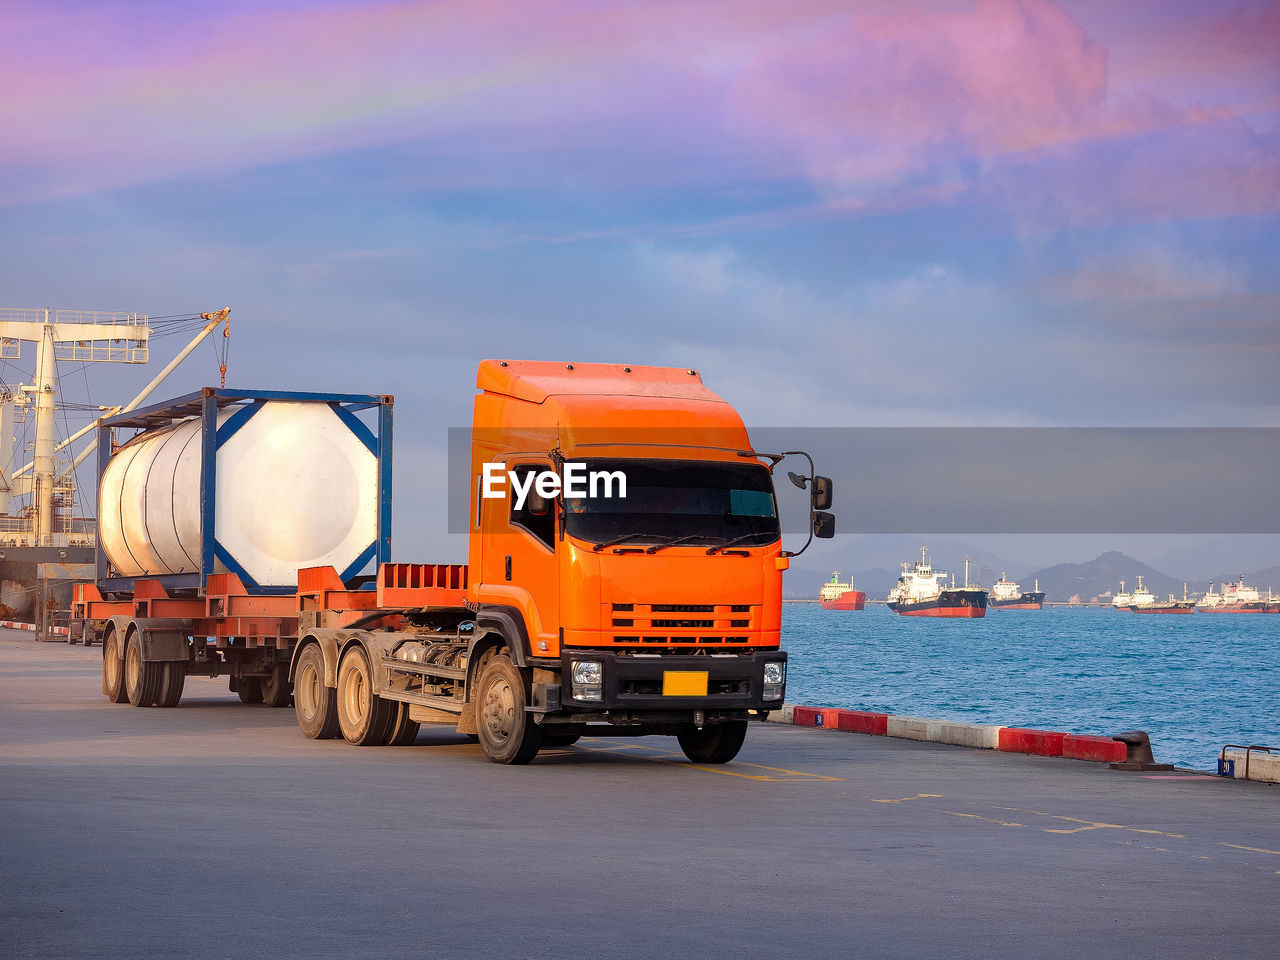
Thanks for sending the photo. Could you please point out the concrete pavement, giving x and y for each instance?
(216, 830)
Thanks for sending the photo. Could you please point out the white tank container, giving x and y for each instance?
(294, 488)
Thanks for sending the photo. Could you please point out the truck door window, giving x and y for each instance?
(541, 525)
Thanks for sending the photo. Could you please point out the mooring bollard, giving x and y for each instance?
(1138, 754)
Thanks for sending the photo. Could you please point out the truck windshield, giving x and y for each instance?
(696, 503)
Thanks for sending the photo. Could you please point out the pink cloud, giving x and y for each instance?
(873, 103)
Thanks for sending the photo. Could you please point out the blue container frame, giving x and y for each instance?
(206, 405)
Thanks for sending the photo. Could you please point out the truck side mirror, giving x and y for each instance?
(824, 525)
(820, 496)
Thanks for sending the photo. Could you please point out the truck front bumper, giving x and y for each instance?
(661, 682)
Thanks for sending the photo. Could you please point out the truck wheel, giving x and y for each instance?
(560, 739)
(113, 668)
(249, 689)
(364, 717)
(142, 678)
(174, 678)
(718, 743)
(506, 735)
(405, 730)
(276, 688)
(314, 704)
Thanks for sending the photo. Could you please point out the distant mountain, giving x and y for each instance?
(1101, 575)
(1207, 558)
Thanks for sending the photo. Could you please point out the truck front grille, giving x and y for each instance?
(653, 623)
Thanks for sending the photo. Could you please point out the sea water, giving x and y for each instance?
(1193, 682)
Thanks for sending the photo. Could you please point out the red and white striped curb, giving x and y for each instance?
(1044, 743)
(19, 625)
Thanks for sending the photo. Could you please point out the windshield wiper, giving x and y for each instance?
(735, 540)
(624, 539)
(671, 543)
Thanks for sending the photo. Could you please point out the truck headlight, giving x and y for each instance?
(587, 680)
(775, 679)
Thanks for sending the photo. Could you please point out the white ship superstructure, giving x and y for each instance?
(1142, 597)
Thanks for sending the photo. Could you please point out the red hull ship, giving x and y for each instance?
(949, 603)
(1234, 598)
(1174, 606)
(1006, 595)
(919, 594)
(835, 595)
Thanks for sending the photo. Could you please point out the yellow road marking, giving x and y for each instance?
(678, 760)
(1088, 825)
(1158, 833)
(974, 816)
(918, 796)
(1274, 853)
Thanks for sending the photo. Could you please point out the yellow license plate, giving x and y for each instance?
(684, 683)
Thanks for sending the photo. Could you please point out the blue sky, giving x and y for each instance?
(871, 214)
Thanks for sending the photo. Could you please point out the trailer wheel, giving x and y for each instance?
(174, 679)
(364, 717)
(314, 704)
(719, 743)
(405, 730)
(142, 678)
(113, 668)
(506, 735)
(276, 688)
(249, 689)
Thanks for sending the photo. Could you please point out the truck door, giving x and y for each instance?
(519, 562)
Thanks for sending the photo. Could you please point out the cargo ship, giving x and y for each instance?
(1007, 595)
(1172, 605)
(835, 595)
(1122, 600)
(922, 592)
(1234, 598)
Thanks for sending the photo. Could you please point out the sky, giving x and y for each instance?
(843, 214)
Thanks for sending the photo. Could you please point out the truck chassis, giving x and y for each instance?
(373, 661)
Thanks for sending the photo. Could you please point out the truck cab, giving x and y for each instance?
(625, 534)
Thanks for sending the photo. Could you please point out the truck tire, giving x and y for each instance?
(113, 668)
(506, 735)
(174, 678)
(314, 704)
(142, 678)
(276, 688)
(249, 689)
(364, 717)
(405, 731)
(718, 743)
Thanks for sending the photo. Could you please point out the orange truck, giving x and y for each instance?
(624, 578)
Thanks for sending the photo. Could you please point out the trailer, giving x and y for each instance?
(579, 612)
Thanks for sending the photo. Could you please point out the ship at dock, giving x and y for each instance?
(921, 591)
(1005, 594)
(835, 595)
(1234, 598)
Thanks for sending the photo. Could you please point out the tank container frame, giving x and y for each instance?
(206, 404)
